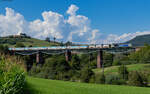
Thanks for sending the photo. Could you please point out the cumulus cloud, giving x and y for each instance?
(51, 26)
(75, 28)
(72, 10)
(12, 23)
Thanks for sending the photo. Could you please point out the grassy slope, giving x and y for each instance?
(27, 42)
(37, 42)
(45, 86)
(114, 69)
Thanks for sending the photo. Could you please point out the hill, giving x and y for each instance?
(11, 42)
(140, 40)
(114, 69)
(45, 86)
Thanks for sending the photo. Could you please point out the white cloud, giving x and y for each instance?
(11, 23)
(75, 28)
(51, 26)
(72, 10)
(112, 38)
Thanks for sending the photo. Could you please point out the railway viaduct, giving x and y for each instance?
(68, 51)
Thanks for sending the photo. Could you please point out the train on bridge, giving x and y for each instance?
(72, 47)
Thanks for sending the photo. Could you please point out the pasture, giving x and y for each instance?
(45, 86)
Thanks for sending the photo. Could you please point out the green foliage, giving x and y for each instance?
(123, 72)
(141, 56)
(75, 62)
(12, 78)
(100, 78)
(86, 74)
(47, 39)
(135, 79)
(56, 68)
(4, 49)
(114, 79)
(116, 62)
(19, 44)
(107, 59)
(35, 70)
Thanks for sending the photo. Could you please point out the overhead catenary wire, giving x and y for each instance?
(56, 53)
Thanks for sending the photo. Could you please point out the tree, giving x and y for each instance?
(123, 72)
(141, 56)
(68, 43)
(19, 44)
(61, 44)
(86, 74)
(4, 49)
(135, 79)
(54, 39)
(47, 39)
(56, 68)
(75, 63)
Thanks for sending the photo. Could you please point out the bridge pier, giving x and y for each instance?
(38, 58)
(100, 59)
(68, 55)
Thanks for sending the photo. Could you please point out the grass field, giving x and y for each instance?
(45, 86)
(36, 42)
(114, 69)
(11, 42)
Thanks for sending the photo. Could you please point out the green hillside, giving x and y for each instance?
(114, 69)
(140, 40)
(11, 42)
(45, 86)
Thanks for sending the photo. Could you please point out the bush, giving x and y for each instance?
(141, 56)
(35, 70)
(114, 79)
(123, 72)
(135, 79)
(100, 78)
(12, 78)
(116, 62)
(75, 62)
(4, 49)
(56, 68)
(86, 74)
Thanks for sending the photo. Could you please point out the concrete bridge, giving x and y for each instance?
(68, 50)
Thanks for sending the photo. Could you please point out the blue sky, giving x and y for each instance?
(108, 16)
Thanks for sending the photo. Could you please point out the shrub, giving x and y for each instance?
(114, 79)
(35, 70)
(100, 78)
(4, 49)
(75, 62)
(86, 74)
(56, 68)
(92, 79)
(123, 72)
(116, 62)
(135, 79)
(12, 78)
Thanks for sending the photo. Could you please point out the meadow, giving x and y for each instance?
(45, 86)
(114, 69)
